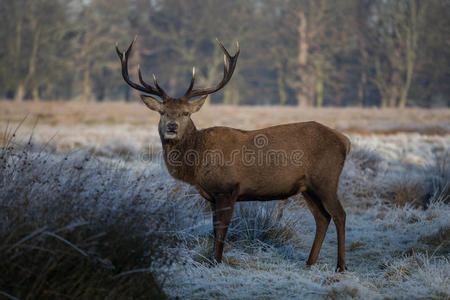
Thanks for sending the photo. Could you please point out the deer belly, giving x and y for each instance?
(266, 196)
(270, 190)
(252, 185)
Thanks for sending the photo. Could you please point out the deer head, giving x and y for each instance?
(175, 113)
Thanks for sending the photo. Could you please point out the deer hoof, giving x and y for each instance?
(341, 269)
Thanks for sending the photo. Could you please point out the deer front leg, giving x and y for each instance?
(214, 218)
(224, 207)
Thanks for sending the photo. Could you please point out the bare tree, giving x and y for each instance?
(309, 52)
(398, 25)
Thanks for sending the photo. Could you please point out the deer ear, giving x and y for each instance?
(151, 102)
(194, 106)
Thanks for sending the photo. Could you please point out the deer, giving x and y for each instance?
(197, 157)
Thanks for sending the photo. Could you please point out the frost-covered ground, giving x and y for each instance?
(395, 189)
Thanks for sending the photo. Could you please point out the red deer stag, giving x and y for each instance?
(228, 165)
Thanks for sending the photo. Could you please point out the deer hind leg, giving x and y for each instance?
(224, 207)
(332, 205)
(322, 219)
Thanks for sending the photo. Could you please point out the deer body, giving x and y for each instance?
(227, 165)
(256, 180)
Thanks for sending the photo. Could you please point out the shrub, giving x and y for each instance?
(368, 178)
(419, 186)
(72, 226)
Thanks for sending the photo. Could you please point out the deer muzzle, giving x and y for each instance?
(171, 130)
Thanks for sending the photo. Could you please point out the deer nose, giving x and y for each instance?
(172, 126)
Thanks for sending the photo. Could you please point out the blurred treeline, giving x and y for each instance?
(306, 52)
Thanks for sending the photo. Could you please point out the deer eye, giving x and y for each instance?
(161, 112)
(185, 113)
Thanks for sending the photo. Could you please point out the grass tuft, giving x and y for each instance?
(74, 227)
(265, 222)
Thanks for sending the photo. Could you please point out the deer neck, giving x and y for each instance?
(175, 153)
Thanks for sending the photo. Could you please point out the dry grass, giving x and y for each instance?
(352, 120)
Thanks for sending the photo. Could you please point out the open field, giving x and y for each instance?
(354, 120)
(93, 167)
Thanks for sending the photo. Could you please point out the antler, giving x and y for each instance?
(229, 64)
(145, 87)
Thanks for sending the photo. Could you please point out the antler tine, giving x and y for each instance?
(157, 85)
(145, 87)
(140, 78)
(148, 86)
(120, 54)
(127, 53)
(223, 48)
(232, 59)
(225, 62)
(229, 64)
(191, 85)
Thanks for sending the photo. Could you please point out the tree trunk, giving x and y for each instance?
(383, 102)
(363, 78)
(302, 100)
(87, 90)
(393, 91)
(393, 98)
(86, 57)
(303, 42)
(405, 90)
(411, 48)
(30, 80)
(230, 96)
(302, 94)
(396, 87)
(319, 92)
(361, 85)
(20, 92)
(20, 89)
(281, 87)
(35, 94)
(319, 85)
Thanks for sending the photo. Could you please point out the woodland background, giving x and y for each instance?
(303, 52)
